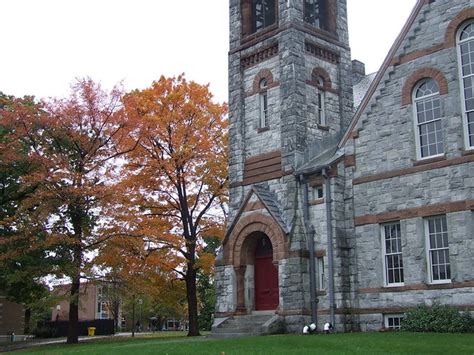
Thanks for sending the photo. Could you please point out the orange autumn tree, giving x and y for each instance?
(74, 143)
(177, 176)
(132, 271)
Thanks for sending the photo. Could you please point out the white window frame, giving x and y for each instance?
(384, 255)
(263, 120)
(321, 279)
(386, 319)
(429, 249)
(417, 125)
(467, 143)
(321, 114)
(315, 192)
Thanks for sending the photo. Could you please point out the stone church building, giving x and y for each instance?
(351, 195)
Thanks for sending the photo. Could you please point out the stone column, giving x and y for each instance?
(240, 276)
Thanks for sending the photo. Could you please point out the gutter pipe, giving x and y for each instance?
(309, 228)
(332, 302)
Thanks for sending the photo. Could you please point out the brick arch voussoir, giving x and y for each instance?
(456, 22)
(249, 225)
(323, 74)
(420, 74)
(262, 74)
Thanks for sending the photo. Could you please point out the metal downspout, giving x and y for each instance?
(312, 264)
(332, 303)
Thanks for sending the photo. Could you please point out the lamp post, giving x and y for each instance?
(140, 319)
(133, 316)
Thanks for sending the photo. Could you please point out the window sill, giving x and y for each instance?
(320, 31)
(263, 129)
(440, 282)
(319, 201)
(258, 34)
(395, 285)
(468, 151)
(430, 160)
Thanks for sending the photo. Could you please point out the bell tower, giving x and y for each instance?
(290, 91)
(289, 85)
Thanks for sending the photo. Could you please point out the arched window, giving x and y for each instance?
(466, 60)
(315, 13)
(263, 14)
(427, 106)
(320, 101)
(263, 117)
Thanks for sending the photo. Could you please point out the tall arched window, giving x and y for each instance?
(263, 117)
(429, 136)
(466, 61)
(263, 14)
(320, 101)
(315, 13)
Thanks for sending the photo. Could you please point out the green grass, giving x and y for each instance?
(355, 343)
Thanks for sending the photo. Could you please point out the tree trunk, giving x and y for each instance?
(73, 331)
(191, 295)
(26, 329)
(116, 311)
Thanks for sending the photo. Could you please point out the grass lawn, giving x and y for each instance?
(355, 343)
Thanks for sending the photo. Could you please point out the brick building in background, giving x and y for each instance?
(351, 195)
(91, 303)
(12, 318)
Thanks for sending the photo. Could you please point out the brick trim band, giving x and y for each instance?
(325, 54)
(417, 287)
(424, 211)
(414, 169)
(259, 56)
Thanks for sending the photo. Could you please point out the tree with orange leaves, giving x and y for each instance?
(177, 177)
(74, 144)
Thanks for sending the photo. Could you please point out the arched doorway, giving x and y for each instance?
(266, 276)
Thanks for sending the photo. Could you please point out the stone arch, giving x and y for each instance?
(419, 75)
(239, 249)
(456, 22)
(263, 74)
(320, 72)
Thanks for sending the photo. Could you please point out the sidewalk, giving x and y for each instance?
(4, 347)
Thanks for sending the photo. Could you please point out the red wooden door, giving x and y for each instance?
(266, 279)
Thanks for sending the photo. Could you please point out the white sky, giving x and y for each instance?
(45, 44)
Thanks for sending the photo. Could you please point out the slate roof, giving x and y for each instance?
(273, 206)
(271, 203)
(320, 161)
(361, 88)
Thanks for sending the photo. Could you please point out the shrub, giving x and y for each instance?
(439, 319)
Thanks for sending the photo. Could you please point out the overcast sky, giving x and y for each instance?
(45, 44)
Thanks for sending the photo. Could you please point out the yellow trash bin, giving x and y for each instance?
(91, 331)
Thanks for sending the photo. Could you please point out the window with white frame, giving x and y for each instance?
(317, 192)
(393, 321)
(392, 251)
(429, 133)
(466, 67)
(438, 249)
(321, 285)
(263, 116)
(102, 309)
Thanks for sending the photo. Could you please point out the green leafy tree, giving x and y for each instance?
(21, 266)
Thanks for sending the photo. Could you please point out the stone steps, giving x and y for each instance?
(239, 326)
